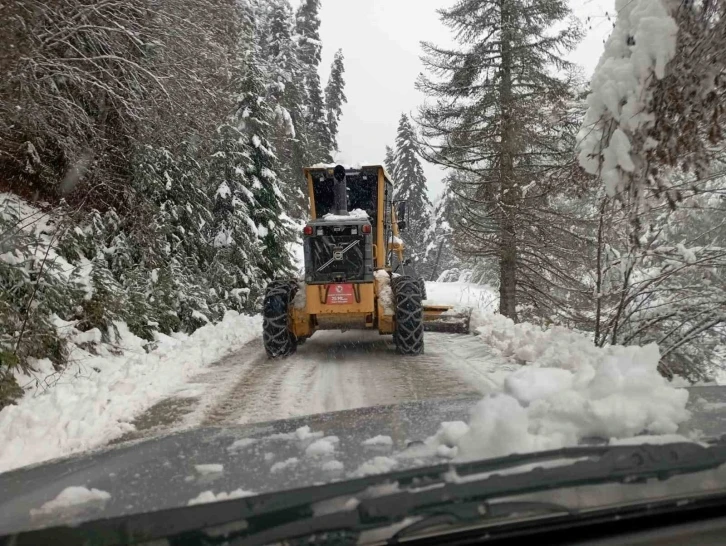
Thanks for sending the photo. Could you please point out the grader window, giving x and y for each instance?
(362, 193)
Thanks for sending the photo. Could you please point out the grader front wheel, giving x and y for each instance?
(276, 335)
(409, 331)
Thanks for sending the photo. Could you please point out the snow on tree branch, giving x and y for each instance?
(642, 44)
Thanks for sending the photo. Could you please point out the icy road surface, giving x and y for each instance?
(331, 371)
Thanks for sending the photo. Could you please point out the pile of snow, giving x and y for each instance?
(206, 469)
(332, 466)
(355, 214)
(379, 440)
(324, 446)
(282, 465)
(71, 498)
(377, 465)
(642, 43)
(208, 496)
(385, 293)
(241, 444)
(569, 390)
(96, 397)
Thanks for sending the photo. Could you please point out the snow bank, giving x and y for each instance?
(209, 496)
(568, 391)
(69, 498)
(482, 300)
(96, 397)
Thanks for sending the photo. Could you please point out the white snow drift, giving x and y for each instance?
(94, 400)
(569, 390)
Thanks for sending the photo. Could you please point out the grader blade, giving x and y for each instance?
(444, 318)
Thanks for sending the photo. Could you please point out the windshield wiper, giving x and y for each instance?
(462, 491)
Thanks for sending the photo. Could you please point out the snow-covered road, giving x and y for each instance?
(549, 387)
(332, 371)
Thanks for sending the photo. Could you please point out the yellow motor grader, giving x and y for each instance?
(351, 244)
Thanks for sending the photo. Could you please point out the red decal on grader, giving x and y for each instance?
(340, 294)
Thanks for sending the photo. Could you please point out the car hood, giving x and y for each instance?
(170, 471)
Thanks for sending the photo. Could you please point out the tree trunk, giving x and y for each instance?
(599, 282)
(507, 185)
(435, 270)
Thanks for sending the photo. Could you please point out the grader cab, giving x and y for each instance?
(356, 276)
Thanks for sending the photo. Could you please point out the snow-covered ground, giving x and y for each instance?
(94, 400)
(541, 388)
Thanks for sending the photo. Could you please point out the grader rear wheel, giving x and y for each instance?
(409, 332)
(277, 338)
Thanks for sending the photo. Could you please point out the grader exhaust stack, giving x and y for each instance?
(352, 254)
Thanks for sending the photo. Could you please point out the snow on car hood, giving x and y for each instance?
(219, 463)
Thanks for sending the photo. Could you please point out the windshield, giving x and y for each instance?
(533, 257)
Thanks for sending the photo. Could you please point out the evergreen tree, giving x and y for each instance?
(254, 116)
(411, 187)
(492, 113)
(440, 253)
(316, 122)
(287, 97)
(390, 160)
(335, 97)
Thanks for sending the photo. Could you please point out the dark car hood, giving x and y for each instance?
(149, 475)
(154, 474)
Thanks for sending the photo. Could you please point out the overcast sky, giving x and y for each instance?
(380, 41)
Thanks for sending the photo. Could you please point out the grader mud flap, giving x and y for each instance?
(443, 318)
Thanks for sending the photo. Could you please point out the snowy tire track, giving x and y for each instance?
(333, 371)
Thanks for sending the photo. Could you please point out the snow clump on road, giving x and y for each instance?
(569, 390)
(97, 397)
(69, 498)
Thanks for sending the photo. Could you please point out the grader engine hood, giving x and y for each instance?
(338, 251)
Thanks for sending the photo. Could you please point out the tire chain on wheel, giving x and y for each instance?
(422, 288)
(276, 336)
(409, 331)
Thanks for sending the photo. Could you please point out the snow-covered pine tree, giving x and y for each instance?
(411, 187)
(440, 249)
(235, 248)
(287, 98)
(335, 96)
(254, 116)
(389, 161)
(490, 112)
(307, 25)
